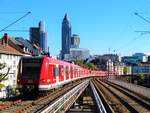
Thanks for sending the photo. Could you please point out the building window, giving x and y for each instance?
(14, 63)
(0, 56)
(10, 67)
(10, 57)
(14, 72)
(14, 82)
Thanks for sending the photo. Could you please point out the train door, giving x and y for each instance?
(52, 75)
(71, 72)
(56, 73)
(64, 72)
(67, 72)
(79, 73)
(61, 73)
(76, 72)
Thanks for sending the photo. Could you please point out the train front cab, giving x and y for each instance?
(29, 74)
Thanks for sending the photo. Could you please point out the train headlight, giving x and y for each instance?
(45, 80)
(48, 80)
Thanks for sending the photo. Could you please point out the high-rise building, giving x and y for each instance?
(35, 35)
(43, 36)
(43, 41)
(75, 41)
(38, 36)
(42, 26)
(66, 36)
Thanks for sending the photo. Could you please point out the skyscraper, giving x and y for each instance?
(39, 36)
(35, 35)
(43, 41)
(66, 36)
(43, 36)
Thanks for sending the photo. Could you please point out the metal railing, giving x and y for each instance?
(64, 102)
(99, 103)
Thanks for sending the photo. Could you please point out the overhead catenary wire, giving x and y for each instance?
(17, 30)
(137, 14)
(3, 29)
(146, 20)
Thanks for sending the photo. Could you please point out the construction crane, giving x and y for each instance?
(5, 28)
(142, 32)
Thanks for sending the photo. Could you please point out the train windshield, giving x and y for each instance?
(31, 68)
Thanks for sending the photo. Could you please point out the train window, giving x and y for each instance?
(61, 70)
(51, 69)
(56, 71)
(31, 72)
(64, 72)
(76, 71)
(73, 71)
(67, 71)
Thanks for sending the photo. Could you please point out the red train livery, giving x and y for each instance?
(42, 73)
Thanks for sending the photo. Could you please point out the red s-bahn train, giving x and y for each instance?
(43, 73)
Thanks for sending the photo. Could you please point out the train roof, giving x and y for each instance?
(28, 57)
(53, 60)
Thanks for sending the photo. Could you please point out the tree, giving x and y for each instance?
(141, 78)
(125, 70)
(3, 76)
(91, 66)
(85, 65)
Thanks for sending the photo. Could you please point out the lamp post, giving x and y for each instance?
(108, 68)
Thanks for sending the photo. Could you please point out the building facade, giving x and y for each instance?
(35, 35)
(66, 37)
(27, 46)
(77, 54)
(38, 36)
(43, 36)
(43, 41)
(10, 54)
(135, 59)
(75, 41)
(122, 69)
(142, 68)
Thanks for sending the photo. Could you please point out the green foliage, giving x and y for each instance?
(1, 86)
(3, 76)
(2, 65)
(85, 65)
(91, 66)
(126, 70)
(141, 77)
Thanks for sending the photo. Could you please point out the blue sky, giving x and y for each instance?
(101, 24)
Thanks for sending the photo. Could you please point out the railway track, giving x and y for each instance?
(30, 106)
(121, 100)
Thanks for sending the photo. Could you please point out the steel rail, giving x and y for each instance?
(61, 103)
(100, 105)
